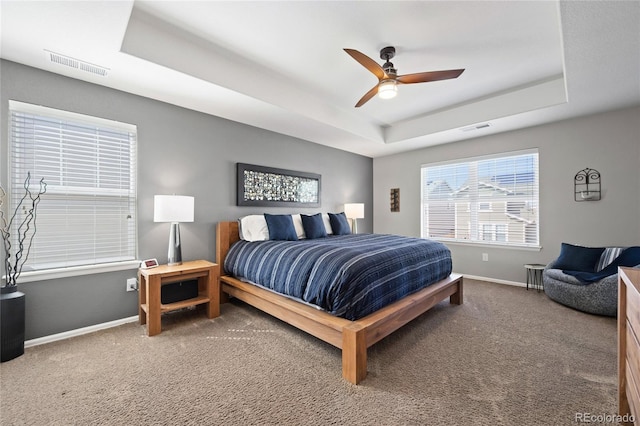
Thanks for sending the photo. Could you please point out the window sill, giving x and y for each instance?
(492, 245)
(74, 271)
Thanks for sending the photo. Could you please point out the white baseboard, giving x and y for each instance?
(78, 332)
(495, 280)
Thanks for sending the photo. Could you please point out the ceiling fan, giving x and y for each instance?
(388, 76)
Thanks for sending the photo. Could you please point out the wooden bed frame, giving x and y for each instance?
(353, 337)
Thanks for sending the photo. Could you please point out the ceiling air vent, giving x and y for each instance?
(475, 127)
(68, 61)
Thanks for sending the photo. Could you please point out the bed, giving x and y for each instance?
(352, 336)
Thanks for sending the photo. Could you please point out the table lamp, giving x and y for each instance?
(354, 211)
(173, 209)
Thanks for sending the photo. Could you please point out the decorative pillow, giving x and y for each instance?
(253, 228)
(313, 226)
(339, 224)
(281, 227)
(608, 256)
(297, 223)
(577, 258)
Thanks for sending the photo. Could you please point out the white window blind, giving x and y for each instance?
(88, 214)
(489, 200)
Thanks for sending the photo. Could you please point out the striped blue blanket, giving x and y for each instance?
(349, 276)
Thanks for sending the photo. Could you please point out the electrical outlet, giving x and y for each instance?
(132, 284)
(485, 257)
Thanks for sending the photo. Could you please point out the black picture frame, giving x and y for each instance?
(272, 187)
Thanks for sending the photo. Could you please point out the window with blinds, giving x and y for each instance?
(488, 200)
(88, 214)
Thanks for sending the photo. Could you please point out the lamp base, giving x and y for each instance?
(354, 226)
(174, 255)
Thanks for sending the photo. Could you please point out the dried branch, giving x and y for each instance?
(26, 230)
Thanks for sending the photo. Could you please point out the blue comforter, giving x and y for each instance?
(349, 276)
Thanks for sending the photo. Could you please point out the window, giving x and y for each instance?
(488, 232)
(501, 232)
(489, 200)
(494, 232)
(88, 214)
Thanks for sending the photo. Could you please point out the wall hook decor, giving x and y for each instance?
(586, 185)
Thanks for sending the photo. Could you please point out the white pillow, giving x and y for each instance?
(297, 223)
(327, 223)
(254, 228)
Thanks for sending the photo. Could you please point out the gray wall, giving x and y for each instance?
(609, 143)
(179, 151)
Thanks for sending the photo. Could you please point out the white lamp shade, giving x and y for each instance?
(354, 210)
(173, 208)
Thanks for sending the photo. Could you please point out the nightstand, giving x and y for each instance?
(151, 280)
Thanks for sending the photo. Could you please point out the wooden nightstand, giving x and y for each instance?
(151, 280)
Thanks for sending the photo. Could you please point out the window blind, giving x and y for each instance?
(490, 200)
(88, 213)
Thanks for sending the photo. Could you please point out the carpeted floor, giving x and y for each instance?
(507, 356)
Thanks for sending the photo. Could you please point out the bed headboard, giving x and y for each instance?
(226, 234)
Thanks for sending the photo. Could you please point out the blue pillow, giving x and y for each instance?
(577, 258)
(280, 227)
(339, 224)
(313, 226)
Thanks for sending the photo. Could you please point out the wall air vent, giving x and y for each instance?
(68, 61)
(475, 127)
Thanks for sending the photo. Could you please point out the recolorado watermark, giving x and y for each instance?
(603, 418)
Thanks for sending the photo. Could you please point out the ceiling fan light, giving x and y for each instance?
(387, 89)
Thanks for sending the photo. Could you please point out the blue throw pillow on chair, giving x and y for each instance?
(577, 258)
(281, 227)
(339, 224)
(313, 226)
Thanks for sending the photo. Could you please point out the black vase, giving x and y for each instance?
(12, 313)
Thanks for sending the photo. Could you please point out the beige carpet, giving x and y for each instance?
(507, 356)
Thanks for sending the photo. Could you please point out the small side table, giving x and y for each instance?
(534, 275)
(151, 281)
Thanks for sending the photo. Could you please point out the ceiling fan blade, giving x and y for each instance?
(370, 94)
(368, 63)
(424, 77)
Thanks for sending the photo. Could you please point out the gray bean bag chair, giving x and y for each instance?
(599, 297)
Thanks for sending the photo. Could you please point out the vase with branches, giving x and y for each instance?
(23, 224)
(26, 229)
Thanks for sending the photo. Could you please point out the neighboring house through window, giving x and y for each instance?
(489, 200)
(88, 214)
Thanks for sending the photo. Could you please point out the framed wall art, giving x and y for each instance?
(271, 187)
(395, 199)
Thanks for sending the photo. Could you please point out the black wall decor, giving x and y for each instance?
(271, 187)
(586, 185)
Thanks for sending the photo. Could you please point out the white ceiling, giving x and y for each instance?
(281, 65)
